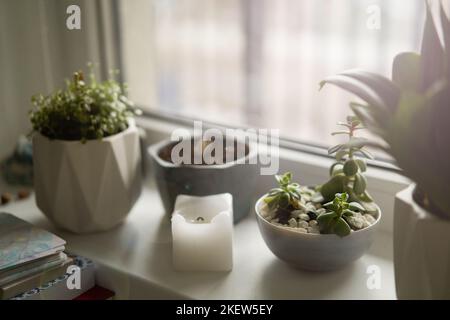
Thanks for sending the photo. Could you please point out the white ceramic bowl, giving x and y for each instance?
(314, 252)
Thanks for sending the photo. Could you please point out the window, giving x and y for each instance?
(259, 62)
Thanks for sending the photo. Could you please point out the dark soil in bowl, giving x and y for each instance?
(229, 153)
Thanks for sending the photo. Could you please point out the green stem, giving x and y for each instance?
(350, 135)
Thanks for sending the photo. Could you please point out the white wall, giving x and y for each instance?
(37, 52)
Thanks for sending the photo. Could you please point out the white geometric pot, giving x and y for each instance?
(421, 250)
(87, 187)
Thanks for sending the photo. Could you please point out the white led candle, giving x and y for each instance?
(202, 232)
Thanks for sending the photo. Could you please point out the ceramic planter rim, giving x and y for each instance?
(291, 230)
(154, 150)
(131, 126)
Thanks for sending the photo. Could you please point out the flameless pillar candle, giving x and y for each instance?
(202, 232)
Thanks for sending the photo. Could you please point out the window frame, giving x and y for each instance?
(289, 143)
(285, 142)
(307, 167)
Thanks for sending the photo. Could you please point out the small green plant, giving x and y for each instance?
(347, 172)
(286, 195)
(337, 220)
(83, 111)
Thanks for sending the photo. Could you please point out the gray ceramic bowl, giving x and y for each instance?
(314, 252)
(201, 180)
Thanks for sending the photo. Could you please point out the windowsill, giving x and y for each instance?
(135, 260)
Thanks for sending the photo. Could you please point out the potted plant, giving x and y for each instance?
(324, 227)
(410, 113)
(86, 154)
(236, 174)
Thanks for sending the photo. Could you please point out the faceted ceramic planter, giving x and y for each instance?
(421, 250)
(314, 252)
(87, 187)
(238, 179)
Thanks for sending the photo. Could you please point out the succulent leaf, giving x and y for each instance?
(356, 142)
(432, 66)
(325, 221)
(350, 167)
(334, 148)
(445, 24)
(341, 154)
(368, 117)
(355, 206)
(348, 213)
(406, 71)
(359, 184)
(357, 88)
(361, 164)
(341, 228)
(334, 167)
(333, 186)
(366, 153)
(385, 89)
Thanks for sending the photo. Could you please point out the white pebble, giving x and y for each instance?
(296, 213)
(320, 211)
(357, 221)
(313, 223)
(265, 212)
(303, 224)
(304, 216)
(293, 223)
(369, 218)
(313, 230)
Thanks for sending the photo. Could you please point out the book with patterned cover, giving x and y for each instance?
(21, 242)
(35, 280)
(57, 289)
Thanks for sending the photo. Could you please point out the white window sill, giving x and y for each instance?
(135, 260)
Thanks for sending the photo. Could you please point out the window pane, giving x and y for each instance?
(259, 62)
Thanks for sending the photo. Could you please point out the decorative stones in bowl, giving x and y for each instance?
(237, 177)
(304, 246)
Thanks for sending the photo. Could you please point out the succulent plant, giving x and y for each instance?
(347, 173)
(411, 112)
(83, 111)
(286, 195)
(336, 220)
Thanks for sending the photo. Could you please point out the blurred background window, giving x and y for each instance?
(250, 63)
(258, 62)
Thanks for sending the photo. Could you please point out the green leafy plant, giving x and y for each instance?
(286, 195)
(347, 172)
(83, 111)
(411, 111)
(340, 211)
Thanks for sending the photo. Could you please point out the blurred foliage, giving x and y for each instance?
(411, 112)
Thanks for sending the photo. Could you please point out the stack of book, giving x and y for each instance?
(33, 264)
